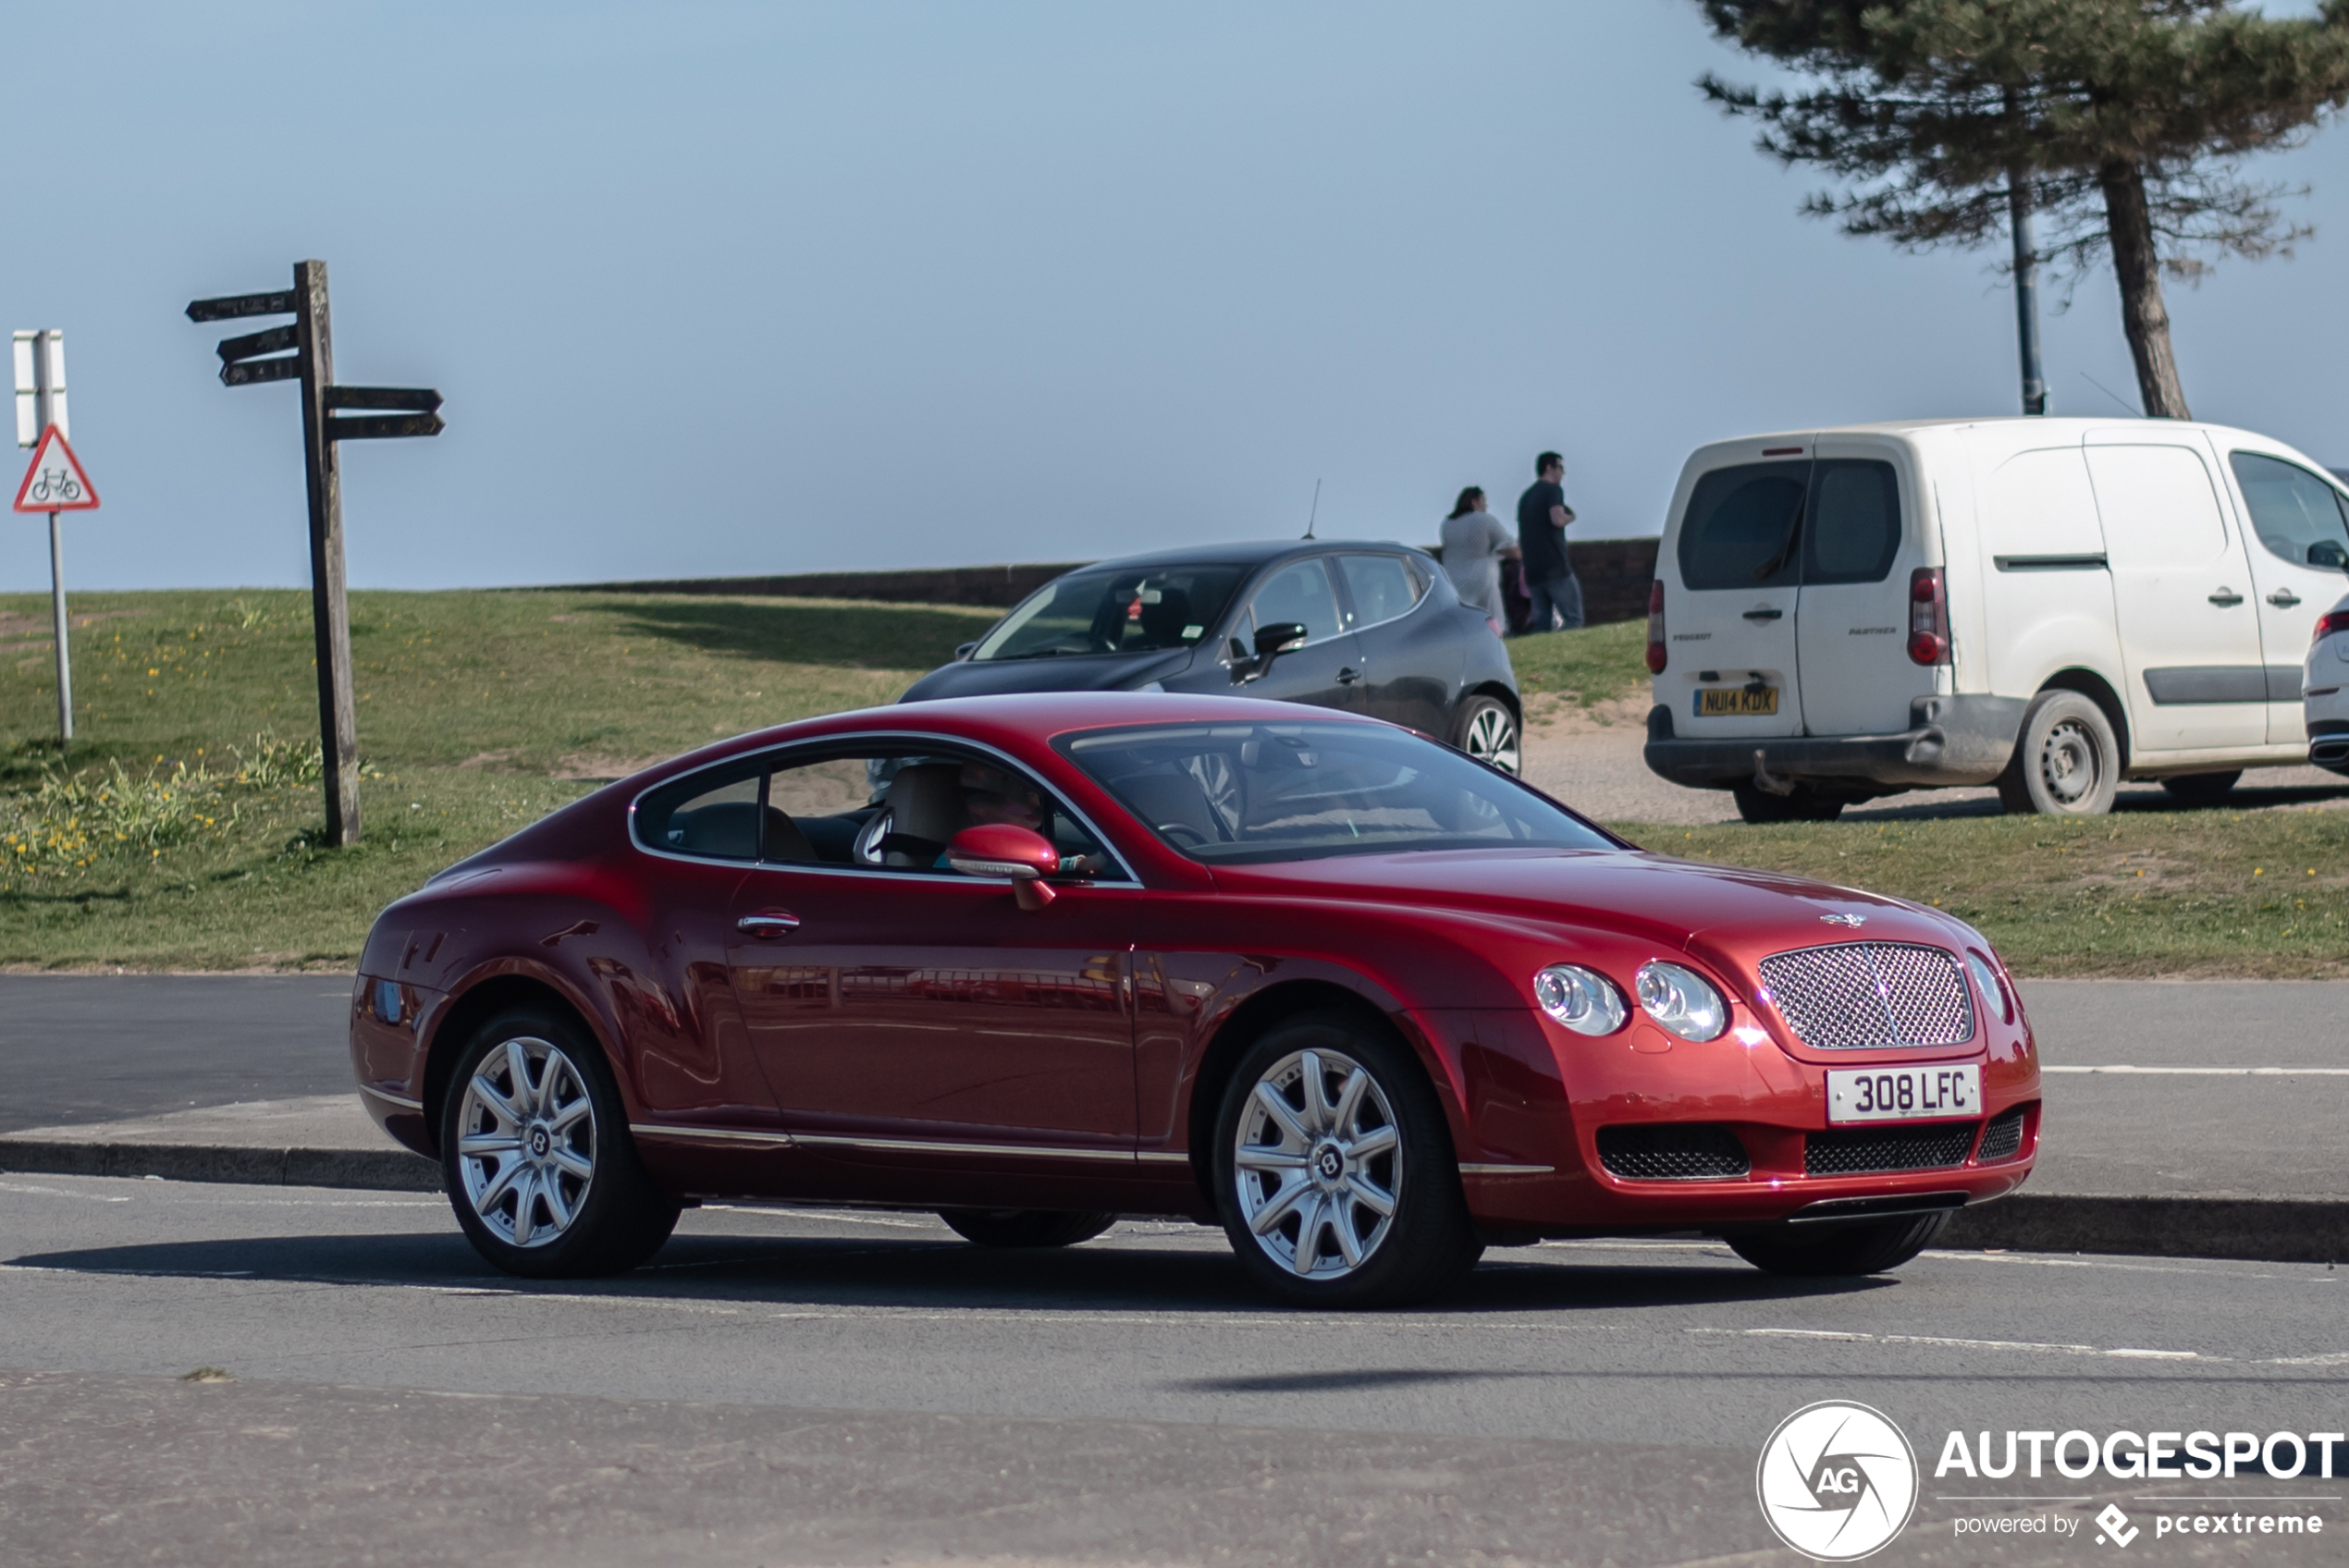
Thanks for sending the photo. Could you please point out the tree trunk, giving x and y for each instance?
(2143, 317)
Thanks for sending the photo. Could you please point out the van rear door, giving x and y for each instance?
(1859, 542)
(1729, 623)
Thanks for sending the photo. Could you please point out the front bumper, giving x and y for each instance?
(1951, 741)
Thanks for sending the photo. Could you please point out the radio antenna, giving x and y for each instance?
(1316, 512)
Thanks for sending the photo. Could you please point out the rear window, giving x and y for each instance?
(1741, 527)
(1114, 611)
(1774, 525)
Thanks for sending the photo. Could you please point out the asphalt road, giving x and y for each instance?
(1125, 1401)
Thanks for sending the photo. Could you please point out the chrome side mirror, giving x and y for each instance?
(1018, 855)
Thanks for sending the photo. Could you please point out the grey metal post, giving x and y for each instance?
(2026, 291)
(48, 409)
(329, 604)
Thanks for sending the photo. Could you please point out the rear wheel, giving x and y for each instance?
(536, 1156)
(2066, 762)
(1805, 804)
(1024, 1226)
(2201, 788)
(1334, 1170)
(1865, 1247)
(1486, 729)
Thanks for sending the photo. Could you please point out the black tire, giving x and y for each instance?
(1485, 729)
(1862, 1247)
(1805, 804)
(617, 1217)
(1024, 1226)
(2201, 788)
(1424, 1242)
(2066, 762)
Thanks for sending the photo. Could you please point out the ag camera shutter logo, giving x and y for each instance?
(1837, 1481)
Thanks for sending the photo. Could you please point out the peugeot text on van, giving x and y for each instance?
(2046, 604)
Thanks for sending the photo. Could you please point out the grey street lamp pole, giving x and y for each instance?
(2026, 291)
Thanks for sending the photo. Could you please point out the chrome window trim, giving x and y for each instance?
(1108, 845)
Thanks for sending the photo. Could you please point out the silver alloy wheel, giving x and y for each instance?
(1491, 737)
(1319, 1164)
(526, 1142)
(2068, 761)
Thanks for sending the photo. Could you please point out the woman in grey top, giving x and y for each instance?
(1474, 546)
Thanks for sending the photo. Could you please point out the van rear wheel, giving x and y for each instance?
(2066, 762)
(1805, 804)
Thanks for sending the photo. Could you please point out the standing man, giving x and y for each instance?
(1542, 517)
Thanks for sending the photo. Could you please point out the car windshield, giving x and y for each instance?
(1114, 610)
(1239, 793)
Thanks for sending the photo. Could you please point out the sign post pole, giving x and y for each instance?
(329, 601)
(58, 617)
(40, 377)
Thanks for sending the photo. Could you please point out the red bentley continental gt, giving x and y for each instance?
(1036, 962)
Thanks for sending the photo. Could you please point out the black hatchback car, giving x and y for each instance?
(1369, 628)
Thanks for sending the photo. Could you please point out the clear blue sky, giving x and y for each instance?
(761, 288)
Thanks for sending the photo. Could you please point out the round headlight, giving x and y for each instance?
(1986, 980)
(1682, 1000)
(1583, 1000)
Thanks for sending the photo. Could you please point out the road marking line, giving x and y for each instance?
(1855, 1337)
(2118, 1070)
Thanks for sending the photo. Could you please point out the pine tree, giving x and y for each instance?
(2123, 122)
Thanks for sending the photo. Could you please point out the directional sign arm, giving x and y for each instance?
(413, 399)
(376, 427)
(276, 340)
(253, 372)
(231, 306)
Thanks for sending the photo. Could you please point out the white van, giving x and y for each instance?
(2047, 605)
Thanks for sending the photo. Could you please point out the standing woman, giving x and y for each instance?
(1474, 547)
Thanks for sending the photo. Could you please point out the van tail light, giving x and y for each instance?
(1928, 616)
(1655, 627)
(2327, 624)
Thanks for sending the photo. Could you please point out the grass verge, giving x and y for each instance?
(1598, 664)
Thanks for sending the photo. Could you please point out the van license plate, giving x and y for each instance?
(1736, 702)
(1903, 1094)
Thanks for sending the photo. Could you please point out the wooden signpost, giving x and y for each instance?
(305, 353)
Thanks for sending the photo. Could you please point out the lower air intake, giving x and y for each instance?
(1886, 1149)
(1672, 1152)
(2003, 1137)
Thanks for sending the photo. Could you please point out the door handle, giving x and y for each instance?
(1765, 615)
(2226, 598)
(769, 922)
(2283, 598)
(1347, 675)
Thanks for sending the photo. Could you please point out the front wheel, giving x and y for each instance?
(535, 1155)
(1861, 1247)
(1486, 729)
(1335, 1171)
(1024, 1226)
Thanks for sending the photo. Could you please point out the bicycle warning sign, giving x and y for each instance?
(55, 482)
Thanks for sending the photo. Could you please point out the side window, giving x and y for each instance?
(1382, 587)
(1854, 527)
(1742, 527)
(2297, 515)
(2158, 509)
(713, 815)
(895, 807)
(1299, 592)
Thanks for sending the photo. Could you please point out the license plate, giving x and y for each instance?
(1903, 1094)
(1736, 702)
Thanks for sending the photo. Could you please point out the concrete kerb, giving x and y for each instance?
(2239, 1229)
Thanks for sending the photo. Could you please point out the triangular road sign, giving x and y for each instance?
(55, 482)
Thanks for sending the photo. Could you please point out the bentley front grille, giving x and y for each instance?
(1869, 995)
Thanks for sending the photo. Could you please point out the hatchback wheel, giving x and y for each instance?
(1867, 1246)
(1334, 1170)
(1485, 730)
(537, 1158)
(2066, 762)
(1024, 1226)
